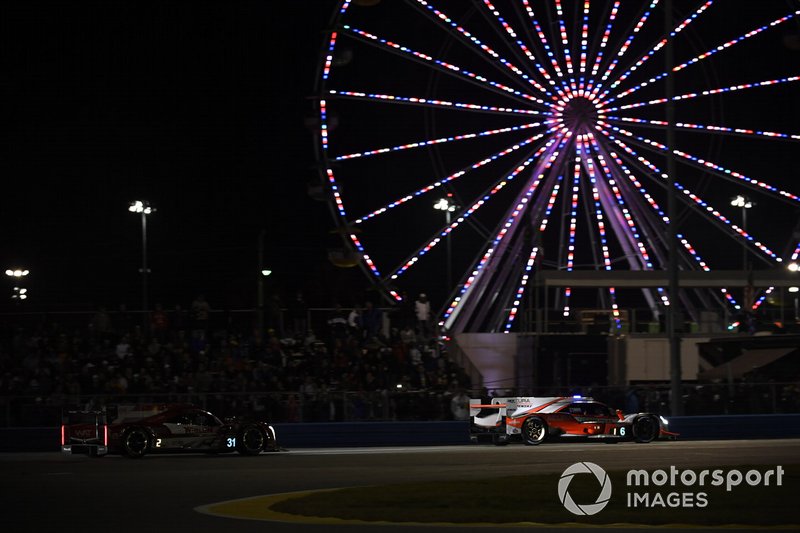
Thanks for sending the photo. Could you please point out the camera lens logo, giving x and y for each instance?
(590, 508)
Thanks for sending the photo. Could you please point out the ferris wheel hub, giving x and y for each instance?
(579, 115)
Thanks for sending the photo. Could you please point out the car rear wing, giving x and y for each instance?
(494, 407)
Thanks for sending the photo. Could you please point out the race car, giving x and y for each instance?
(534, 420)
(137, 430)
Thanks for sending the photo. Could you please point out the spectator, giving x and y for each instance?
(201, 312)
(354, 322)
(159, 323)
(372, 321)
(298, 312)
(459, 405)
(422, 310)
(101, 323)
(272, 314)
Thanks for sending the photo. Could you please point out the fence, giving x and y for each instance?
(411, 405)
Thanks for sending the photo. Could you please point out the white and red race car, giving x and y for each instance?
(532, 420)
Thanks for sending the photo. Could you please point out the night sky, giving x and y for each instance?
(199, 108)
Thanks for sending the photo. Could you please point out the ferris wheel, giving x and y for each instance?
(468, 146)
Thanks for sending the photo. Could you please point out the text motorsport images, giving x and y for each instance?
(639, 484)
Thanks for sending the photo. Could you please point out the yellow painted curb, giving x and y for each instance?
(260, 508)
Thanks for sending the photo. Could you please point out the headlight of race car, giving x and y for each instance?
(663, 420)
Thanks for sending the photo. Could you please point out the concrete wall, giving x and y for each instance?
(647, 358)
(493, 354)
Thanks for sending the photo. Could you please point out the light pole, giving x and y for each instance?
(745, 203)
(262, 273)
(18, 275)
(444, 204)
(144, 209)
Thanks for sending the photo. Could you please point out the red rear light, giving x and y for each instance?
(105, 435)
(62, 434)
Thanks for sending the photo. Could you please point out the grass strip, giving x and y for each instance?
(534, 498)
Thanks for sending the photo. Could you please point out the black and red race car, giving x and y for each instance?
(137, 430)
(533, 420)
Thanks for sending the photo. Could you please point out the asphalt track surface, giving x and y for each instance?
(49, 492)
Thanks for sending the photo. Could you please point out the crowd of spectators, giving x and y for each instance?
(356, 364)
(286, 365)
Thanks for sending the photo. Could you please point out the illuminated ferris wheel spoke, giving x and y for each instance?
(584, 37)
(708, 92)
(688, 197)
(705, 55)
(706, 208)
(564, 39)
(661, 44)
(626, 45)
(621, 216)
(432, 103)
(440, 140)
(705, 268)
(718, 170)
(601, 230)
(464, 296)
(573, 221)
(451, 177)
(604, 41)
(521, 45)
(465, 36)
(543, 38)
(483, 199)
(739, 132)
(531, 263)
(443, 66)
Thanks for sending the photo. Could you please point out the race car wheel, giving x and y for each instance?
(135, 443)
(645, 429)
(534, 431)
(251, 440)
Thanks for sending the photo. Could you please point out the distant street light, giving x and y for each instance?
(18, 275)
(144, 209)
(744, 203)
(20, 294)
(266, 273)
(444, 204)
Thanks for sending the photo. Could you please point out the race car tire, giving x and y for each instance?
(534, 431)
(645, 428)
(251, 440)
(135, 443)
